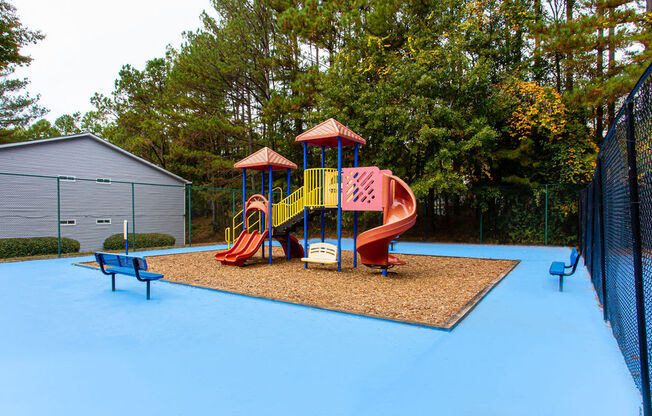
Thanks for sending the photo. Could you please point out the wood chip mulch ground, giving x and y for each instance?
(428, 290)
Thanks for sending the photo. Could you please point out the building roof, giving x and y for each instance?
(327, 133)
(264, 159)
(99, 140)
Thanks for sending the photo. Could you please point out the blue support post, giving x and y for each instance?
(244, 198)
(262, 215)
(355, 216)
(269, 216)
(288, 241)
(323, 186)
(305, 213)
(190, 216)
(339, 204)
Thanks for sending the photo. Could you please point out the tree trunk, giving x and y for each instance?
(538, 62)
(611, 106)
(558, 72)
(599, 111)
(569, 55)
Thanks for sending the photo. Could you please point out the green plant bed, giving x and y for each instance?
(117, 242)
(34, 246)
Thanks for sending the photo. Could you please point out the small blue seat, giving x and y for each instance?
(127, 265)
(558, 268)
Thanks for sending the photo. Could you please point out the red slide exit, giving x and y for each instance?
(399, 215)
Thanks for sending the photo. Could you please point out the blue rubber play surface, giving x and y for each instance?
(69, 346)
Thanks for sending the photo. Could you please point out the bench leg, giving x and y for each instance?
(148, 290)
(561, 283)
(113, 283)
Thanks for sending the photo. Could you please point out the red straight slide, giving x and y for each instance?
(249, 248)
(248, 244)
(243, 239)
(399, 215)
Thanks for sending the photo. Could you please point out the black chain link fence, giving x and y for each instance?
(616, 231)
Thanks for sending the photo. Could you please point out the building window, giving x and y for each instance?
(67, 178)
(103, 180)
(68, 222)
(103, 221)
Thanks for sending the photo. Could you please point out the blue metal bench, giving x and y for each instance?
(127, 265)
(558, 268)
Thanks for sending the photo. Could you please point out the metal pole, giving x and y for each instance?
(190, 216)
(585, 217)
(546, 231)
(59, 217)
(133, 218)
(323, 186)
(269, 217)
(480, 225)
(262, 215)
(305, 211)
(244, 200)
(636, 254)
(288, 252)
(603, 255)
(355, 216)
(339, 204)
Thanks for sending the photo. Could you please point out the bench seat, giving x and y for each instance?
(320, 260)
(321, 253)
(131, 272)
(557, 268)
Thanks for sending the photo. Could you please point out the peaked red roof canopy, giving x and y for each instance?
(326, 134)
(264, 159)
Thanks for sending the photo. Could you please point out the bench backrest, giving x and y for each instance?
(574, 259)
(120, 260)
(322, 251)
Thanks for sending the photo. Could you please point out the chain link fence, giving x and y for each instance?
(540, 215)
(91, 210)
(616, 231)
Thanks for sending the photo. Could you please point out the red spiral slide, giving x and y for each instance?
(399, 215)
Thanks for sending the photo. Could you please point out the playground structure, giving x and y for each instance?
(345, 189)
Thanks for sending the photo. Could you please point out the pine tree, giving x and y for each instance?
(17, 109)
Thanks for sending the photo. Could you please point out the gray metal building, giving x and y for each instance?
(90, 210)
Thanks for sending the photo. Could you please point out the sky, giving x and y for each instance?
(88, 41)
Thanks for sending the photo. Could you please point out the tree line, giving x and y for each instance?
(451, 95)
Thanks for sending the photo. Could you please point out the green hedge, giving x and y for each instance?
(117, 242)
(35, 246)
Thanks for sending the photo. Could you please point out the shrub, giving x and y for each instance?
(117, 242)
(34, 246)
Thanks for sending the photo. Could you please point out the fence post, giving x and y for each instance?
(580, 210)
(481, 225)
(636, 254)
(58, 217)
(189, 216)
(585, 221)
(546, 230)
(133, 219)
(603, 271)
